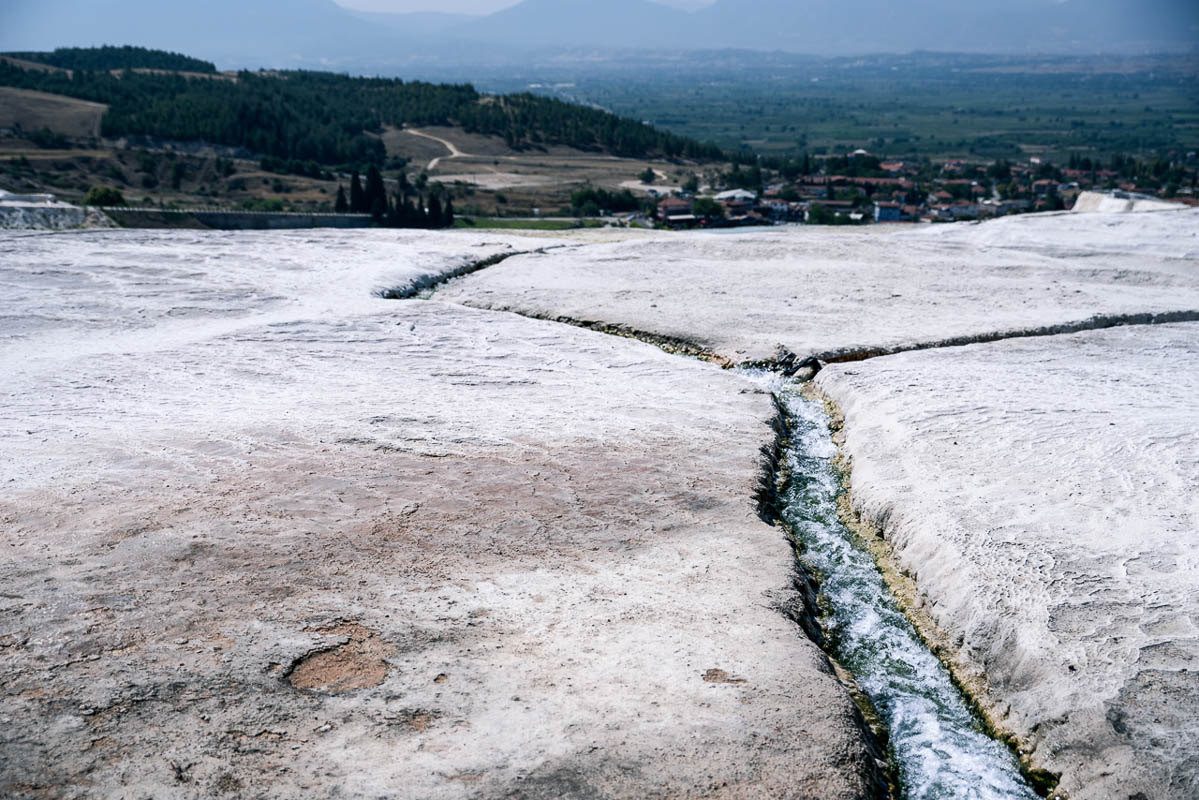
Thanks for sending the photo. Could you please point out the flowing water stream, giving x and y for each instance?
(937, 743)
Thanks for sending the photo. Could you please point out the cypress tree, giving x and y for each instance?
(435, 212)
(375, 193)
(357, 204)
(393, 212)
(420, 214)
(341, 206)
(408, 215)
(447, 216)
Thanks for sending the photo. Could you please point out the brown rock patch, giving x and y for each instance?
(720, 676)
(358, 663)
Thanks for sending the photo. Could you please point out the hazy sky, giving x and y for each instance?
(472, 6)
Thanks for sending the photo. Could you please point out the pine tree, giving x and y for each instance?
(357, 202)
(341, 206)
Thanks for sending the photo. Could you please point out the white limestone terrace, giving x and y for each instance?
(228, 459)
(1044, 495)
(1040, 490)
(265, 534)
(46, 212)
(837, 293)
(1120, 202)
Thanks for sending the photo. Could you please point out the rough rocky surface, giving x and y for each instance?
(265, 535)
(832, 292)
(1120, 203)
(56, 217)
(1044, 493)
(1041, 490)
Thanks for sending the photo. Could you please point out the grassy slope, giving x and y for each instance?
(33, 111)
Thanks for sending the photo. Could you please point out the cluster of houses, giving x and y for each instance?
(897, 192)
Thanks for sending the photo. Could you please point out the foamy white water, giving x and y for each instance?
(938, 745)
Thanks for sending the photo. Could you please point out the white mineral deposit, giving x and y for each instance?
(833, 292)
(373, 514)
(265, 533)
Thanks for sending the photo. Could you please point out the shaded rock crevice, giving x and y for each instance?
(674, 345)
(431, 282)
(1094, 323)
(805, 367)
(802, 603)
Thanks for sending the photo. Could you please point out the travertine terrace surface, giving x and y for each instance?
(1041, 490)
(265, 535)
(1044, 493)
(834, 291)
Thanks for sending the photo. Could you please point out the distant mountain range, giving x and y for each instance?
(320, 33)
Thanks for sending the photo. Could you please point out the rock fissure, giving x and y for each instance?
(430, 283)
(791, 364)
(802, 604)
(806, 605)
(1094, 323)
(938, 745)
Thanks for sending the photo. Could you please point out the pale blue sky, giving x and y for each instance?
(472, 6)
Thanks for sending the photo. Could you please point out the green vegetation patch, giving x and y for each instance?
(500, 224)
(335, 120)
(104, 196)
(110, 58)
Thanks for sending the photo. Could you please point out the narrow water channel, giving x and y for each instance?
(936, 742)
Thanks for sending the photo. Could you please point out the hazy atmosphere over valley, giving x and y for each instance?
(549, 399)
(388, 36)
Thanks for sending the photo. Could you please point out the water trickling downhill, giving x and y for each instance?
(937, 744)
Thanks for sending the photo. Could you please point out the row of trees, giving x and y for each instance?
(591, 201)
(525, 120)
(294, 166)
(406, 208)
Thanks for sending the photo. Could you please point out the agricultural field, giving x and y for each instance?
(939, 106)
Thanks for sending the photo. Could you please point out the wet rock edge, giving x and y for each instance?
(969, 679)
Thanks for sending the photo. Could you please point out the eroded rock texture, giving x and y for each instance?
(266, 535)
(833, 292)
(1042, 493)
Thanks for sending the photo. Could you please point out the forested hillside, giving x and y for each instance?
(109, 58)
(328, 118)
